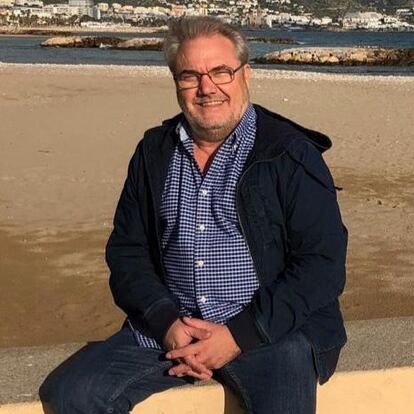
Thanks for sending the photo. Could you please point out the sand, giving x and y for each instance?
(67, 133)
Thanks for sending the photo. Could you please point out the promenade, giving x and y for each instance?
(375, 375)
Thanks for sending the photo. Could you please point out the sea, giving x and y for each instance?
(27, 49)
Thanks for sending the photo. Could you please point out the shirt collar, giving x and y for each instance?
(243, 129)
(183, 130)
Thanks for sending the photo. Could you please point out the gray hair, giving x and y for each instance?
(186, 28)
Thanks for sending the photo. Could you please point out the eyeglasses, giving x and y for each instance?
(189, 79)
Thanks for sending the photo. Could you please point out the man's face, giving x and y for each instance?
(212, 111)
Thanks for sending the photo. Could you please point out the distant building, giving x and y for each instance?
(178, 10)
(326, 20)
(255, 17)
(116, 6)
(404, 12)
(103, 7)
(365, 20)
(82, 7)
(127, 9)
(155, 11)
(59, 10)
(96, 13)
(28, 3)
(6, 3)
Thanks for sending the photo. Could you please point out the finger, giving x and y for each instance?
(193, 362)
(182, 370)
(179, 370)
(198, 376)
(198, 333)
(197, 366)
(185, 351)
(197, 323)
(203, 376)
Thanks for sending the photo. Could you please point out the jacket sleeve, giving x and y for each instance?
(314, 274)
(135, 279)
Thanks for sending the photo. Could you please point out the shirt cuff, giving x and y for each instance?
(160, 318)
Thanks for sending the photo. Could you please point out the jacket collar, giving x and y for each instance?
(273, 133)
(273, 136)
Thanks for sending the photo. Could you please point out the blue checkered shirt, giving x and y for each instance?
(207, 261)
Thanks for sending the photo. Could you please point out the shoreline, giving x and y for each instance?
(163, 71)
(4, 30)
(163, 29)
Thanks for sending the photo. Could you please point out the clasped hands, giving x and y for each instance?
(199, 347)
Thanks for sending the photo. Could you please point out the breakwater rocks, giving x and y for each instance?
(104, 42)
(141, 44)
(339, 56)
(277, 40)
(134, 43)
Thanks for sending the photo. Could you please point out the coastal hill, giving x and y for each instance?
(318, 8)
(338, 8)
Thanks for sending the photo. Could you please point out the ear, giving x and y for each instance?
(247, 71)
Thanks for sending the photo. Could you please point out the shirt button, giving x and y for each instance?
(201, 227)
(200, 263)
(203, 299)
(204, 192)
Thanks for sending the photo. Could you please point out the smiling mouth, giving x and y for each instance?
(211, 103)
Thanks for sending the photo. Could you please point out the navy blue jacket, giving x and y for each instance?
(289, 216)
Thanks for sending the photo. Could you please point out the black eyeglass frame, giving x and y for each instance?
(200, 75)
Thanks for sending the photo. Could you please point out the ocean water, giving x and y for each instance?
(26, 49)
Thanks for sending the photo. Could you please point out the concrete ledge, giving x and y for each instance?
(377, 392)
(375, 374)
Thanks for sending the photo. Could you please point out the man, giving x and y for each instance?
(227, 253)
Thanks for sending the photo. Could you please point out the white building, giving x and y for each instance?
(28, 3)
(127, 9)
(255, 17)
(96, 13)
(59, 9)
(6, 3)
(363, 20)
(151, 11)
(103, 7)
(178, 10)
(326, 20)
(404, 12)
(41, 13)
(82, 7)
(301, 20)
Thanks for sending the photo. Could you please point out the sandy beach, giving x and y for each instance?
(67, 133)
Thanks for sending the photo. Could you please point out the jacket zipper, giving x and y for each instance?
(241, 223)
(157, 230)
(259, 278)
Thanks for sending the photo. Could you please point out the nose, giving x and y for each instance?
(207, 86)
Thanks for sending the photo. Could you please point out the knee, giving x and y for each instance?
(53, 395)
(297, 356)
(69, 392)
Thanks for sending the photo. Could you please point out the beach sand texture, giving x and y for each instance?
(67, 133)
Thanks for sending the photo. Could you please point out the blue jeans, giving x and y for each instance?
(115, 375)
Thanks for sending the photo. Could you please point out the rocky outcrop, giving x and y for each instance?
(277, 40)
(141, 44)
(80, 41)
(340, 56)
(98, 41)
